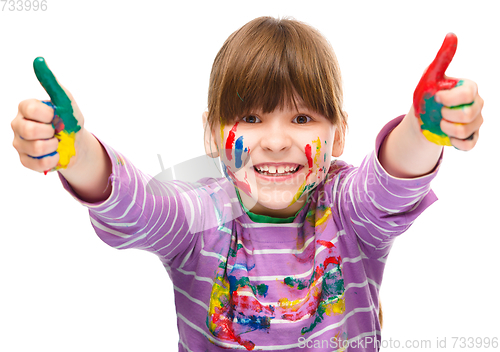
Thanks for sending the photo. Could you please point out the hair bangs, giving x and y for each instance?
(270, 64)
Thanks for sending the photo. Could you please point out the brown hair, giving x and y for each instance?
(267, 64)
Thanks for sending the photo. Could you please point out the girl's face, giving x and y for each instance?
(275, 158)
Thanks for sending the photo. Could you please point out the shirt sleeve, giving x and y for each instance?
(144, 213)
(376, 207)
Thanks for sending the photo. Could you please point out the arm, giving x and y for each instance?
(376, 207)
(406, 153)
(128, 209)
(88, 175)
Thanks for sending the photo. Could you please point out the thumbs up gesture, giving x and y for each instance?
(448, 109)
(46, 134)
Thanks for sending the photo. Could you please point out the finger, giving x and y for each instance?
(32, 130)
(465, 92)
(461, 130)
(465, 113)
(465, 144)
(40, 165)
(437, 68)
(38, 148)
(57, 95)
(35, 110)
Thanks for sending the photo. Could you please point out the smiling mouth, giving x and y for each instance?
(274, 171)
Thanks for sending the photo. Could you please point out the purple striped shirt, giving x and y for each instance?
(309, 284)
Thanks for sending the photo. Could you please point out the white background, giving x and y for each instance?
(139, 71)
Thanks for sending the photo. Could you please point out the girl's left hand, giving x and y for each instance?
(461, 114)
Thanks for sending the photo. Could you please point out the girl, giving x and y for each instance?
(288, 250)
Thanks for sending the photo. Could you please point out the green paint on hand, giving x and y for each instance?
(57, 95)
(432, 117)
(458, 107)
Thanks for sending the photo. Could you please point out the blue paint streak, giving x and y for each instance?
(43, 156)
(238, 145)
(224, 170)
(255, 322)
(242, 267)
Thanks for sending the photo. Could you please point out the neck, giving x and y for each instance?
(259, 209)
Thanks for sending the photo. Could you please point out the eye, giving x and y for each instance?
(251, 119)
(302, 119)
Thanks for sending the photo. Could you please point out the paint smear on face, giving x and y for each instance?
(242, 185)
(318, 152)
(308, 151)
(230, 142)
(238, 150)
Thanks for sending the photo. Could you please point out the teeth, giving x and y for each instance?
(277, 170)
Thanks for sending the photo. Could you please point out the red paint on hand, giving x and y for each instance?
(434, 79)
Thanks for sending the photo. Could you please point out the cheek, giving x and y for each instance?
(235, 151)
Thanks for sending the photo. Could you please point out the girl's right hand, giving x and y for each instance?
(34, 127)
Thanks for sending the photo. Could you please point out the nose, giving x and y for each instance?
(276, 139)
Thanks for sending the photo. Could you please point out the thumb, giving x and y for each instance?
(436, 70)
(426, 108)
(58, 96)
(63, 112)
(433, 78)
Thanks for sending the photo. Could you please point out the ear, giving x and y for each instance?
(339, 142)
(210, 146)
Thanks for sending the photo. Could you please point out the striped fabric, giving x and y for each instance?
(311, 284)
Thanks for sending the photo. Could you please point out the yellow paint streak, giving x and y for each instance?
(285, 303)
(65, 149)
(120, 160)
(325, 217)
(335, 308)
(297, 195)
(222, 135)
(434, 138)
(318, 151)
